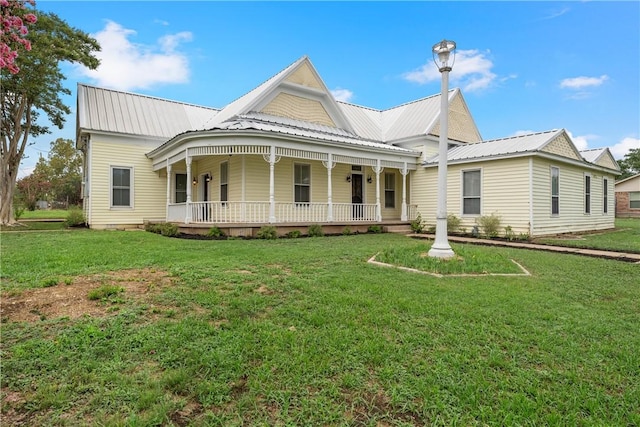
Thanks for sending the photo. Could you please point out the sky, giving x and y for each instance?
(522, 66)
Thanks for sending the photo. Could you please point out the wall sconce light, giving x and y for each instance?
(195, 181)
(349, 178)
(369, 180)
(208, 178)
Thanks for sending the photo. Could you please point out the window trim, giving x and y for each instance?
(296, 184)
(638, 201)
(605, 195)
(557, 196)
(463, 197)
(588, 190)
(224, 181)
(392, 190)
(175, 186)
(130, 206)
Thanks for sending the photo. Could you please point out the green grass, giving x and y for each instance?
(306, 332)
(45, 214)
(625, 238)
(34, 226)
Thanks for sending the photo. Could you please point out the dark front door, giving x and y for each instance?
(356, 196)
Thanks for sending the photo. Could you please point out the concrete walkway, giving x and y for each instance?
(620, 256)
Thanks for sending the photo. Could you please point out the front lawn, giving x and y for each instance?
(45, 214)
(625, 238)
(306, 332)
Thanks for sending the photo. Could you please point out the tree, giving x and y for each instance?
(14, 18)
(63, 171)
(32, 188)
(630, 165)
(37, 87)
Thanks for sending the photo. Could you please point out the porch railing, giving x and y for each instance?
(258, 212)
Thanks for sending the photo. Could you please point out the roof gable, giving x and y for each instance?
(601, 157)
(461, 126)
(561, 145)
(297, 92)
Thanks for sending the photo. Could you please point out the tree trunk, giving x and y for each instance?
(7, 189)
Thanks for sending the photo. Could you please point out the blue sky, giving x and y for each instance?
(522, 66)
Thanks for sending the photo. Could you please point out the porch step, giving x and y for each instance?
(400, 228)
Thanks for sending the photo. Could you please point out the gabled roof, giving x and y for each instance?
(631, 178)
(504, 147)
(600, 157)
(107, 110)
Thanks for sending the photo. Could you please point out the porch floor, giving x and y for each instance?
(251, 229)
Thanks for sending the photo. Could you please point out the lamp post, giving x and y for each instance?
(443, 56)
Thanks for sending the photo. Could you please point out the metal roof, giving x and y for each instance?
(592, 155)
(127, 113)
(499, 147)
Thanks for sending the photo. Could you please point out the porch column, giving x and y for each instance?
(329, 165)
(378, 169)
(404, 172)
(168, 189)
(273, 159)
(187, 218)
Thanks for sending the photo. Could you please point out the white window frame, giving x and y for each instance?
(634, 193)
(296, 184)
(175, 186)
(224, 181)
(605, 195)
(588, 190)
(131, 187)
(463, 197)
(557, 196)
(391, 190)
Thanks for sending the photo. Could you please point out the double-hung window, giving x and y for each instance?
(302, 183)
(587, 194)
(471, 187)
(389, 190)
(121, 186)
(634, 200)
(224, 181)
(181, 188)
(555, 191)
(605, 195)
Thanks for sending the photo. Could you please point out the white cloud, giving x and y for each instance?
(581, 142)
(620, 149)
(471, 71)
(556, 13)
(125, 65)
(583, 82)
(340, 94)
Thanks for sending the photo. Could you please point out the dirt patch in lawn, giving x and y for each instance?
(70, 298)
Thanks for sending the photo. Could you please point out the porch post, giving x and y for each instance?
(378, 169)
(404, 172)
(329, 165)
(272, 189)
(168, 189)
(187, 159)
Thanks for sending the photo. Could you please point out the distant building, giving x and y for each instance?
(628, 197)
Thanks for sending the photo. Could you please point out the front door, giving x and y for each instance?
(357, 196)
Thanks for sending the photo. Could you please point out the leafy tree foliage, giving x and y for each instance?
(63, 171)
(630, 165)
(37, 87)
(14, 18)
(30, 189)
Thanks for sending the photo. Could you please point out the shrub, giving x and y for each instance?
(453, 223)
(18, 210)
(293, 234)
(346, 231)
(374, 229)
(508, 233)
(315, 230)
(215, 232)
(168, 229)
(75, 218)
(151, 227)
(490, 225)
(523, 236)
(268, 232)
(416, 225)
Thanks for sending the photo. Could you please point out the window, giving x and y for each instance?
(555, 191)
(634, 200)
(224, 181)
(181, 187)
(587, 194)
(121, 186)
(471, 192)
(302, 183)
(605, 195)
(389, 190)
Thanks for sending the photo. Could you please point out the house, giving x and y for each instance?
(288, 154)
(628, 197)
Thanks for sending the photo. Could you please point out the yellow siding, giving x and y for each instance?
(572, 216)
(607, 162)
(296, 107)
(562, 147)
(149, 188)
(304, 76)
(257, 179)
(461, 125)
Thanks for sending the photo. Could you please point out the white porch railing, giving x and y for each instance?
(258, 212)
